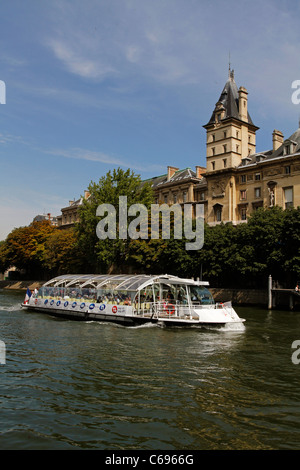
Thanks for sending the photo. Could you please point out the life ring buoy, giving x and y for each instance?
(36, 300)
(52, 302)
(58, 303)
(66, 303)
(221, 304)
(46, 301)
(91, 306)
(82, 305)
(74, 304)
(170, 309)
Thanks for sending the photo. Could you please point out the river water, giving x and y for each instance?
(73, 385)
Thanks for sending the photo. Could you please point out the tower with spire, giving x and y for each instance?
(230, 130)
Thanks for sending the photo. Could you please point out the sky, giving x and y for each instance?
(95, 85)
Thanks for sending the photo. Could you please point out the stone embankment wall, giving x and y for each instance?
(241, 296)
(22, 285)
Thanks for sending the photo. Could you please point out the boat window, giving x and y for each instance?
(174, 293)
(146, 294)
(114, 296)
(200, 294)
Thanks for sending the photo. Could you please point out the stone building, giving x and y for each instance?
(69, 214)
(237, 180)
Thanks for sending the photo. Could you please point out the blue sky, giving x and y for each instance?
(94, 85)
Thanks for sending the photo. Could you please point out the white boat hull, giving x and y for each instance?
(122, 314)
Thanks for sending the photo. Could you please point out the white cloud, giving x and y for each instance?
(76, 63)
(83, 154)
(100, 157)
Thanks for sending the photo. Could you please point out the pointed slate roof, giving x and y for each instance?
(229, 99)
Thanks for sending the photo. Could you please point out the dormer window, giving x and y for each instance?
(289, 147)
(259, 158)
(246, 160)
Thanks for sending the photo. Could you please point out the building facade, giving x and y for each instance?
(237, 180)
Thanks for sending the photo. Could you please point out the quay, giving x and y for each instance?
(278, 295)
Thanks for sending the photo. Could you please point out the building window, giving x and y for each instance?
(243, 178)
(287, 170)
(225, 162)
(213, 150)
(225, 134)
(212, 165)
(243, 195)
(175, 198)
(237, 149)
(237, 134)
(202, 196)
(184, 196)
(218, 212)
(243, 213)
(257, 176)
(257, 192)
(225, 148)
(288, 197)
(213, 137)
(166, 199)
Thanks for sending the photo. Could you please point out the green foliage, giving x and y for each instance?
(61, 254)
(24, 247)
(245, 255)
(103, 255)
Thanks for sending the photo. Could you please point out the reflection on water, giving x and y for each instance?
(89, 385)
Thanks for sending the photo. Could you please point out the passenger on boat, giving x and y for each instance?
(170, 296)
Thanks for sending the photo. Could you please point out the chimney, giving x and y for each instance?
(171, 171)
(243, 104)
(277, 139)
(200, 170)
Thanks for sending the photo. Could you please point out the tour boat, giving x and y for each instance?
(132, 300)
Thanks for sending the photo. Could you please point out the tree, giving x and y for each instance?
(61, 253)
(102, 255)
(25, 247)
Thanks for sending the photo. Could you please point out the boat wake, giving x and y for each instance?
(238, 326)
(10, 308)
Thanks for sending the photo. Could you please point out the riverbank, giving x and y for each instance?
(241, 296)
(21, 285)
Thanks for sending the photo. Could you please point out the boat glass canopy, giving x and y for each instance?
(118, 281)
